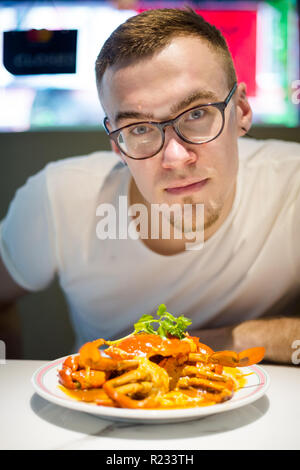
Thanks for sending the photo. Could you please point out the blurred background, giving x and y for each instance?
(50, 116)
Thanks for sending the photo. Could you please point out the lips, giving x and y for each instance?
(187, 187)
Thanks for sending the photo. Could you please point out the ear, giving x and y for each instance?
(114, 147)
(244, 111)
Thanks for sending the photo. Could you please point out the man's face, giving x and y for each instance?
(158, 89)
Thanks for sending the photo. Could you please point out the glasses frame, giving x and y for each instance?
(221, 106)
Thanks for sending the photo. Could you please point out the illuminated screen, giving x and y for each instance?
(263, 38)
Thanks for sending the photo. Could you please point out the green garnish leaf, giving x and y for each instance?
(144, 324)
(168, 325)
(161, 309)
(162, 331)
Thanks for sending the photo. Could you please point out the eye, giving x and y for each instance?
(140, 130)
(196, 114)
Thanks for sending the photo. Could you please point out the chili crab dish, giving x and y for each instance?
(147, 371)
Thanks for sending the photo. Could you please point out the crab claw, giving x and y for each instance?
(90, 356)
(251, 356)
(242, 359)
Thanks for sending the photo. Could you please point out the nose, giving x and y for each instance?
(176, 152)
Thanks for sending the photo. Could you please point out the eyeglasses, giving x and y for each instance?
(197, 125)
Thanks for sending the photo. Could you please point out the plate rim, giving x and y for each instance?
(144, 415)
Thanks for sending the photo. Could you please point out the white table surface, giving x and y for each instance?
(28, 421)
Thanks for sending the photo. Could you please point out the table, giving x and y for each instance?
(29, 422)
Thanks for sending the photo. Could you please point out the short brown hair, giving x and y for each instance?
(147, 33)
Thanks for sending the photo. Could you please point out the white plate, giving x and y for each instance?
(45, 383)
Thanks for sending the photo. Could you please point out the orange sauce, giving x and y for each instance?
(237, 375)
(93, 395)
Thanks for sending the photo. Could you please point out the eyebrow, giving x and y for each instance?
(189, 100)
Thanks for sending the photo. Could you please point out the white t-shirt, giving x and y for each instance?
(251, 264)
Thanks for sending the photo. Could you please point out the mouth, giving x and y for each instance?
(187, 188)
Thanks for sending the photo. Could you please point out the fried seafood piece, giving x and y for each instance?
(174, 367)
(199, 378)
(81, 379)
(213, 390)
(149, 345)
(139, 388)
(76, 374)
(244, 358)
(90, 356)
(74, 377)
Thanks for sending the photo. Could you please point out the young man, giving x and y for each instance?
(175, 115)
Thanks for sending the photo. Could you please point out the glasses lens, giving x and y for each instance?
(140, 140)
(200, 124)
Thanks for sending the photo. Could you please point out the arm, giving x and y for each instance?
(9, 290)
(277, 335)
(10, 327)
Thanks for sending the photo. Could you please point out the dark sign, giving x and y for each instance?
(36, 52)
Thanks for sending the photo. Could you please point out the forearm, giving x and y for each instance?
(276, 335)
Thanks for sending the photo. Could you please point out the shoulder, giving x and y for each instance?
(97, 163)
(271, 170)
(86, 172)
(262, 152)
(276, 161)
